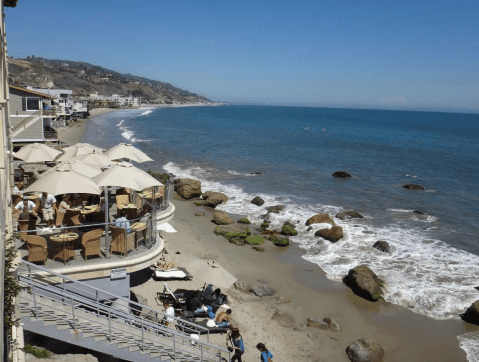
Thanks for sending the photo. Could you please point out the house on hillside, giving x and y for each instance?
(63, 102)
(31, 116)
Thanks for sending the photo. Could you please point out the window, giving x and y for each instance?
(30, 104)
(64, 95)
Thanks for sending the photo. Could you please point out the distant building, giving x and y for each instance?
(31, 115)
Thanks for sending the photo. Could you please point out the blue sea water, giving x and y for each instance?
(434, 264)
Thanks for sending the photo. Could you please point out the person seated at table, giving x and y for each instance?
(122, 222)
(25, 202)
(93, 200)
(66, 204)
(27, 214)
(19, 188)
(47, 201)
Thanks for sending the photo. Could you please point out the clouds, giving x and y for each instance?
(394, 100)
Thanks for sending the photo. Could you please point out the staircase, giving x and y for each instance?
(73, 312)
(27, 122)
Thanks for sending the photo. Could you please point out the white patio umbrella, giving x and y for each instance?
(127, 151)
(77, 166)
(65, 182)
(83, 145)
(210, 272)
(124, 174)
(96, 159)
(78, 150)
(36, 152)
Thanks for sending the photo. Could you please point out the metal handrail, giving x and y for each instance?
(96, 292)
(112, 335)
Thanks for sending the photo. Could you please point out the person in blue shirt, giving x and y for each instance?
(122, 222)
(265, 354)
(238, 346)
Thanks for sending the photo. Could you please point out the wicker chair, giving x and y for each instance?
(27, 225)
(60, 215)
(118, 243)
(91, 243)
(37, 249)
(72, 217)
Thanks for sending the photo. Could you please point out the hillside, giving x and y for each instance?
(84, 78)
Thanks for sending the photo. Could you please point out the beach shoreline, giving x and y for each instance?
(404, 335)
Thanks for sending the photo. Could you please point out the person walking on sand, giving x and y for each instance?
(237, 344)
(266, 356)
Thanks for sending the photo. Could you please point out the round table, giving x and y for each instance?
(63, 245)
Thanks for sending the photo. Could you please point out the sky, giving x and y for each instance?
(374, 54)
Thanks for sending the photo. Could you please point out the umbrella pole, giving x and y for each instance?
(107, 214)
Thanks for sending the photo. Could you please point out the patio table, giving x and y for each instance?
(63, 246)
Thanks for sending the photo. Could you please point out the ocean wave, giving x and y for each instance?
(121, 123)
(145, 113)
(399, 210)
(127, 134)
(425, 275)
(469, 342)
(235, 173)
(413, 176)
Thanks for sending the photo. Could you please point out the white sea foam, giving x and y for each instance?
(145, 113)
(422, 274)
(469, 342)
(127, 134)
(399, 210)
(413, 176)
(235, 173)
(121, 123)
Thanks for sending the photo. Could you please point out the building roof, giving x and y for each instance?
(31, 91)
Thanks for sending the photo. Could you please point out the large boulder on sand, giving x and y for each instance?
(263, 290)
(364, 282)
(413, 187)
(320, 219)
(349, 214)
(365, 350)
(472, 314)
(188, 188)
(213, 199)
(258, 201)
(326, 324)
(222, 218)
(341, 174)
(333, 234)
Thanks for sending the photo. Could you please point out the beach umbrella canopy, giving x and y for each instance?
(77, 166)
(166, 228)
(210, 272)
(65, 182)
(37, 152)
(96, 159)
(127, 151)
(83, 145)
(124, 174)
(78, 150)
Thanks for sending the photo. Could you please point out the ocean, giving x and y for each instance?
(287, 155)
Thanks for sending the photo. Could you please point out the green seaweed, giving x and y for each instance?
(257, 248)
(289, 231)
(279, 242)
(254, 240)
(264, 225)
(198, 203)
(376, 296)
(37, 352)
(244, 220)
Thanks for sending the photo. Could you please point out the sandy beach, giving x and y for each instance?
(404, 335)
(73, 133)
